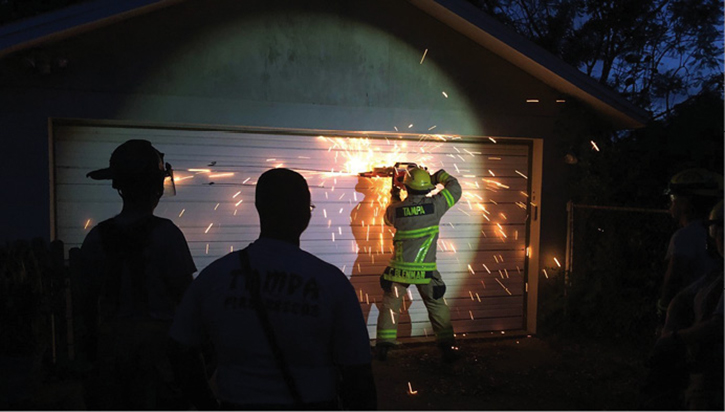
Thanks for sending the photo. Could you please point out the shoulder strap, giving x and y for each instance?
(258, 303)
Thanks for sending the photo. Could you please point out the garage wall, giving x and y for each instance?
(482, 251)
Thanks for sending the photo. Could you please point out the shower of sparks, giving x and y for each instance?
(246, 180)
(229, 174)
(392, 316)
(557, 262)
(502, 285)
(470, 269)
(432, 127)
(217, 206)
(207, 229)
(238, 203)
(493, 140)
(199, 170)
(521, 174)
(88, 222)
(182, 212)
(546, 274)
(424, 54)
(236, 194)
(410, 126)
(445, 94)
(410, 389)
(207, 249)
(594, 146)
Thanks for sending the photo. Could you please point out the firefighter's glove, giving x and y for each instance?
(395, 193)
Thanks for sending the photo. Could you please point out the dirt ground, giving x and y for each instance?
(512, 373)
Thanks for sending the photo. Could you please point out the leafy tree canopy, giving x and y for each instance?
(657, 53)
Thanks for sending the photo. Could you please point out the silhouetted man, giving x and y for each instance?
(287, 327)
(136, 267)
(689, 354)
(693, 192)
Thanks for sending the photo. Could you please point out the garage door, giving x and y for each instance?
(482, 251)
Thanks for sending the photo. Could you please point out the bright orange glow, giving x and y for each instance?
(229, 174)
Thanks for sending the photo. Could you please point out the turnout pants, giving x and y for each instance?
(432, 294)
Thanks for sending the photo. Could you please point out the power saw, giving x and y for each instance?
(396, 172)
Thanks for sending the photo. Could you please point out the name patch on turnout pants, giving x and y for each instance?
(416, 210)
(407, 276)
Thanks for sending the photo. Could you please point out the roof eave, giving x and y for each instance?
(70, 21)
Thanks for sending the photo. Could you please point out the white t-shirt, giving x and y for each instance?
(690, 243)
(314, 313)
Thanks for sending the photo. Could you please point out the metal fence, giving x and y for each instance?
(614, 268)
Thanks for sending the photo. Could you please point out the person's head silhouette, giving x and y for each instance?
(137, 170)
(282, 199)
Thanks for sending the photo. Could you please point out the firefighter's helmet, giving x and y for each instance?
(696, 182)
(134, 162)
(418, 179)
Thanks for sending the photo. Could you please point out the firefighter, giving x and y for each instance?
(416, 221)
(693, 193)
(136, 267)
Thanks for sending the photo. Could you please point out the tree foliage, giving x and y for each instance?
(657, 53)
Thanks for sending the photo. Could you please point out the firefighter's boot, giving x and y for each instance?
(449, 352)
(381, 350)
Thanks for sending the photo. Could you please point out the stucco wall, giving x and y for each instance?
(324, 64)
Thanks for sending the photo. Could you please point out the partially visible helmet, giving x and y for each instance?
(418, 179)
(135, 162)
(696, 182)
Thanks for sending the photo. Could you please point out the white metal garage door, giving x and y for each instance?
(482, 251)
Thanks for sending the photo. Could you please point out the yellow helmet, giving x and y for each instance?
(698, 182)
(418, 179)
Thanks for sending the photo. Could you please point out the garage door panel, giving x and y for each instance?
(483, 239)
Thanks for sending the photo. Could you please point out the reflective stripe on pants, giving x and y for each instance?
(438, 312)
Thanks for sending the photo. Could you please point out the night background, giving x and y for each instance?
(603, 242)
